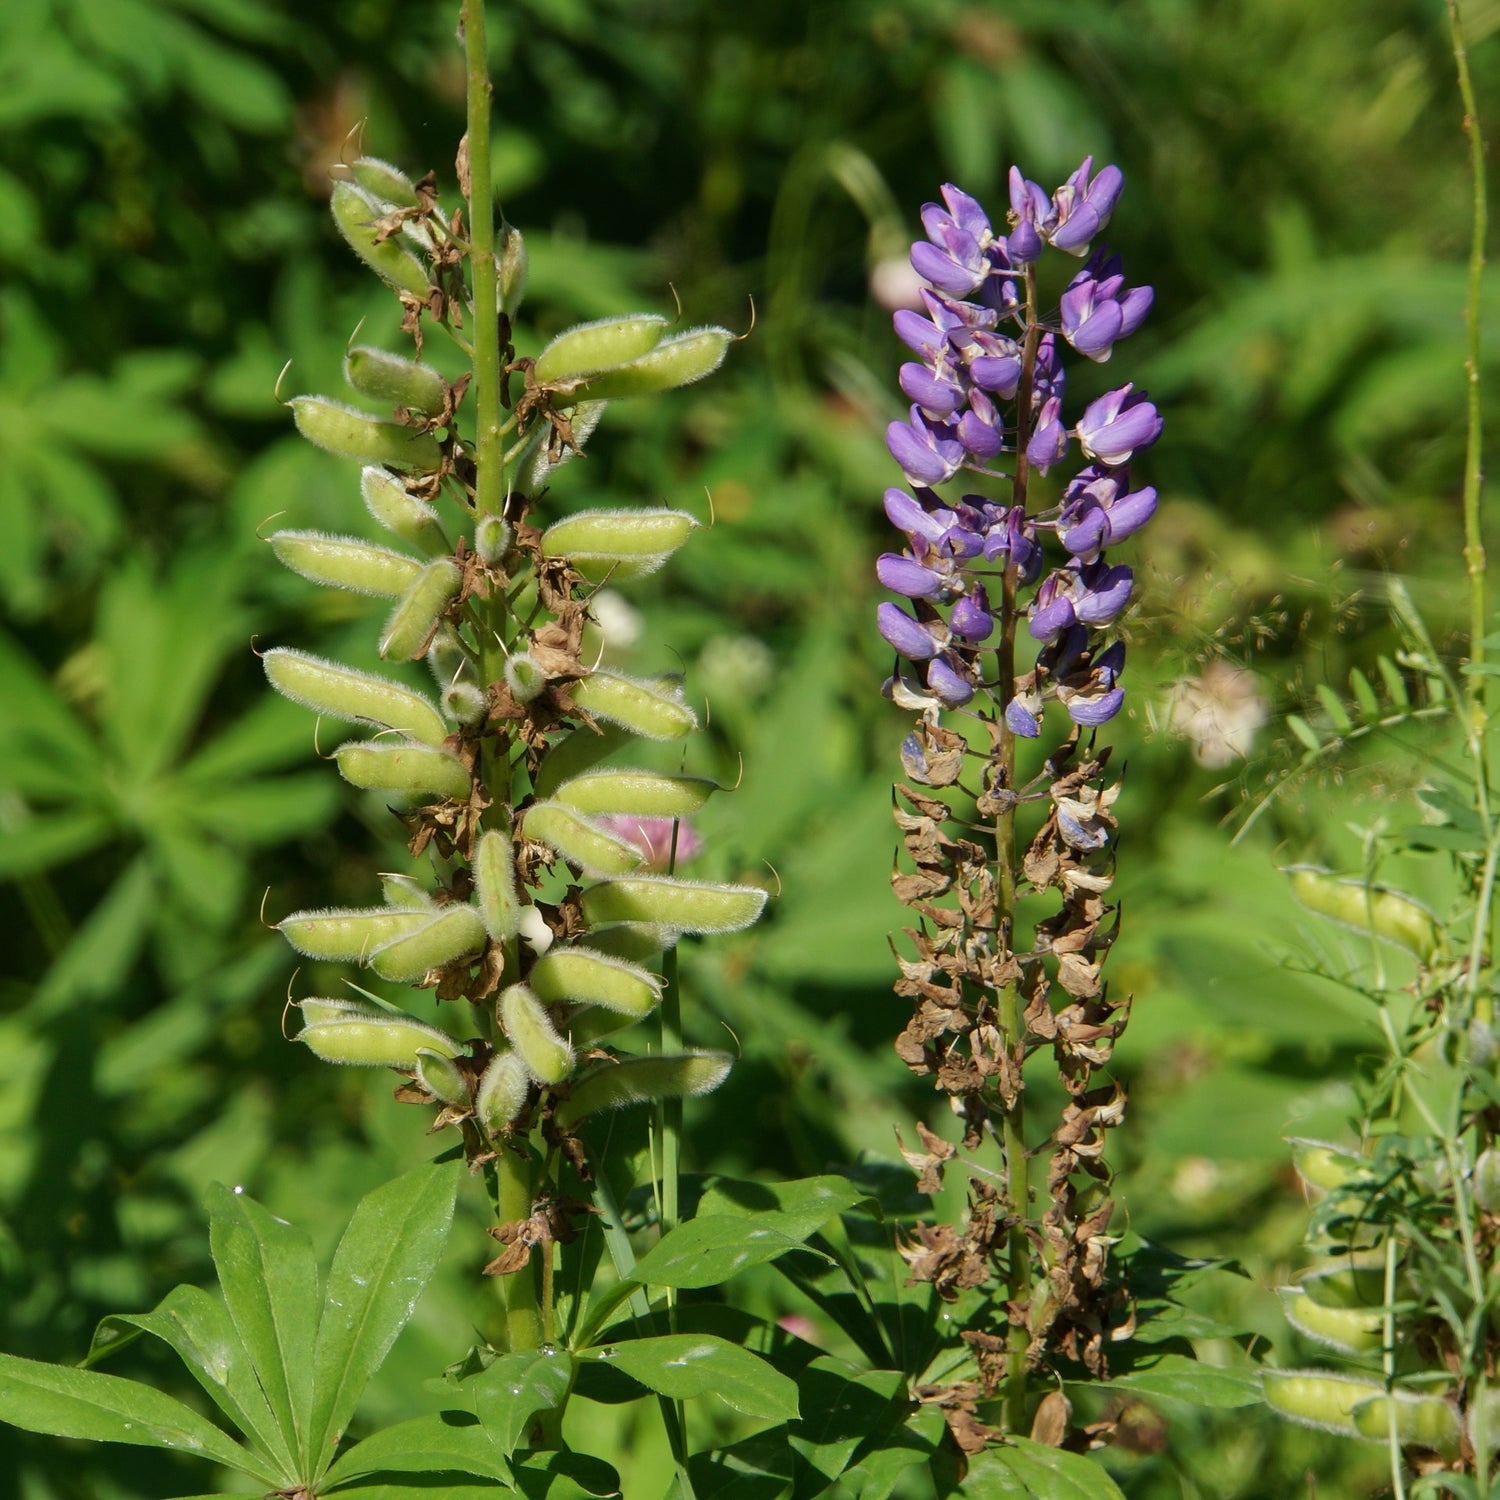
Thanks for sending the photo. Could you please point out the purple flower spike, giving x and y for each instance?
(971, 618)
(1030, 209)
(926, 450)
(1052, 609)
(1106, 591)
(912, 640)
(936, 396)
(1082, 208)
(1050, 440)
(980, 428)
(948, 683)
(1115, 425)
(921, 336)
(1023, 715)
(901, 575)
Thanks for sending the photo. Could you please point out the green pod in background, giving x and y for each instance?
(635, 942)
(390, 378)
(502, 1091)
(495, 885)
(640, 1080)
(1346, 1330)
(592, 1023)
(1391, 916)
(1323, 1165)
(599, 345)
(677, 361)
(1421, 1420)
(685, 905)
(455, 932)
(1354, 1279)
(399, 511)
(533, 465)
(361, 697)
(405, 894)
(653, 709)
(440, 1077)
(357, 213)
(581, 977)
(345, 562)
(1317, 1399)
(411, 770)
(416, 614)
(348, 933)
(635, 794)
(351, 434)
(621, 543)
(377, 1040)
(384, 182)
(591, 849)
(548, 1058)
(576, 752)
(1486, 1180)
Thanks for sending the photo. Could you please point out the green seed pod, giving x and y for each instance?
(1489, 1406)
(639, 1080)
(1352, 1279)
(342, 693)
(492, 539)
(1423, 1420)
(580, 977)
(356, 214)
(351, 434)
(511, 254)
(389, 378)
(440, 1077)
(599, 346)
(575, 752)
(495, 885)
(399, 511)
(415, 616)
(1487, 1180)
(377, 1040)
(622, 544)
(591, 849)
(1323, 1165)
(1317, 1399)
(465, 703)
(548, 1058)
(412, 770)
(1348, 1330)
(524, 677)
(317, 1010)
(345, 562)
(349, 933)
(384, 182)
(655, 710)
(405, 894)
(685, 905)
(533, 464)
(676, 361)
(502, 1091)
(592, 1023)
(636, 794)
(635, 942)
(1391, 916)
(455, 932)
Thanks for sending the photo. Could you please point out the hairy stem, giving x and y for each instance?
(523, 1319)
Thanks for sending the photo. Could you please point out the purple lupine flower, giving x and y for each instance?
(955, 260)
(937, 396)
(903, 575)
(981, 429)
(951, 684)
(1115, 425)
(971, 618)
(1098, 309)
(927, 451)
(1030, 211)
(1098, 509)
(911, 639)
(1049, 441)
(1097, 698)
(1102, 593)
(1080, 208)
(1052, 610)
(998, 368)
(1023, 714)
(655, 838)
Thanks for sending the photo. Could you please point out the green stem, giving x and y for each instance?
(523, 1320)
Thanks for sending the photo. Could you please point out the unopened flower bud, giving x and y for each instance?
(492, 539)
(351, 434)
(524, 677)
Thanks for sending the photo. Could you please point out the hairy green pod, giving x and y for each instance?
(653, 709)
(513, 265)
(405, 894)
(639, 1080)
(684, 905)
(356, 213)
(575, 753)
(351, 434)
(592, 1023)
(455, 932)
(1488, 1406)
(677, 361)
(345, 562)
(1422, 1420)
(318, 1010)
(399, 511)
(533, 464)
(548, 1058)
(1353, 1279)
(1317, 1399)
(401, 382)
(636, 794)
(465, 703)
(1391, 916)
(378, 1039)
(1347, 1330)
(588, 347)
(1486, 1180)
(502, 1091)
(416, 614)
(581, 977)
(438, 1075)
(412, 770)
(594, 851)
(495, 885)
(635, 942)
(383, 181)
(1323, 1165)
(622, 544)
(349, 933)
(492, 539)
(361, 697)
(524, 677)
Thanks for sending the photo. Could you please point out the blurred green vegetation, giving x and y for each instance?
(1297, 195)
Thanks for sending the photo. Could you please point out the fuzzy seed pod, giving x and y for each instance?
(1391, 916)
(416, 614)
(524, 677)
(384, 182)
(600, 345)
(579, 977)
(345, 562)
(548, 1058)
(654, 709)
(412, 770)
(639, 1080)
(495, 885)
(676, 361)
(592, 1023)
(400, 382)
(348, 933)
(318, 1010)
(636, 794)
(1322, 1165)
(492, 539)
(351, 434)
(455, 932)
(502, 1091)
(378, 1039)
(361, 697)
(1423, 1420)
(1486, 1180)
(1347, 1330)
(440, 1077)
(533, 464)
(399, 511)
(575, 753)
(465, 703)
(685, 905)
(356, 213)
(620, 543)
(405, 894)
(591, 849)
(635, 942)
(1354, 1278)
(513, 266)
(1317, 1399)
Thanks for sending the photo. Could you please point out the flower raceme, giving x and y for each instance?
(988, 394)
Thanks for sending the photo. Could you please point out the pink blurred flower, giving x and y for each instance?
(653, 837)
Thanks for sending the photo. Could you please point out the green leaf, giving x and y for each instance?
(436, 1443)
(1303, 732)
(270, 1283)
(842, 1407)
(916, 1442)
(1333, 706)
(382, 1265)
(801, 1206)
(565, 1476)
(1182, 1378)
(105, 948)
(1027, 1468)
(684, 1365)
(515, 1388)
(1364, 695)
(38, 843)
(755, 1468)
(708, 1251)
(84, 1404)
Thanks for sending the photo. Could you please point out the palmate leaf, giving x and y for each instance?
(1026, 1469)
(841, 1408)
(437, 1443)
(515, 1388)
(683, 1365)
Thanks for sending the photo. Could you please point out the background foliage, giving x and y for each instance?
(1296, 193)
